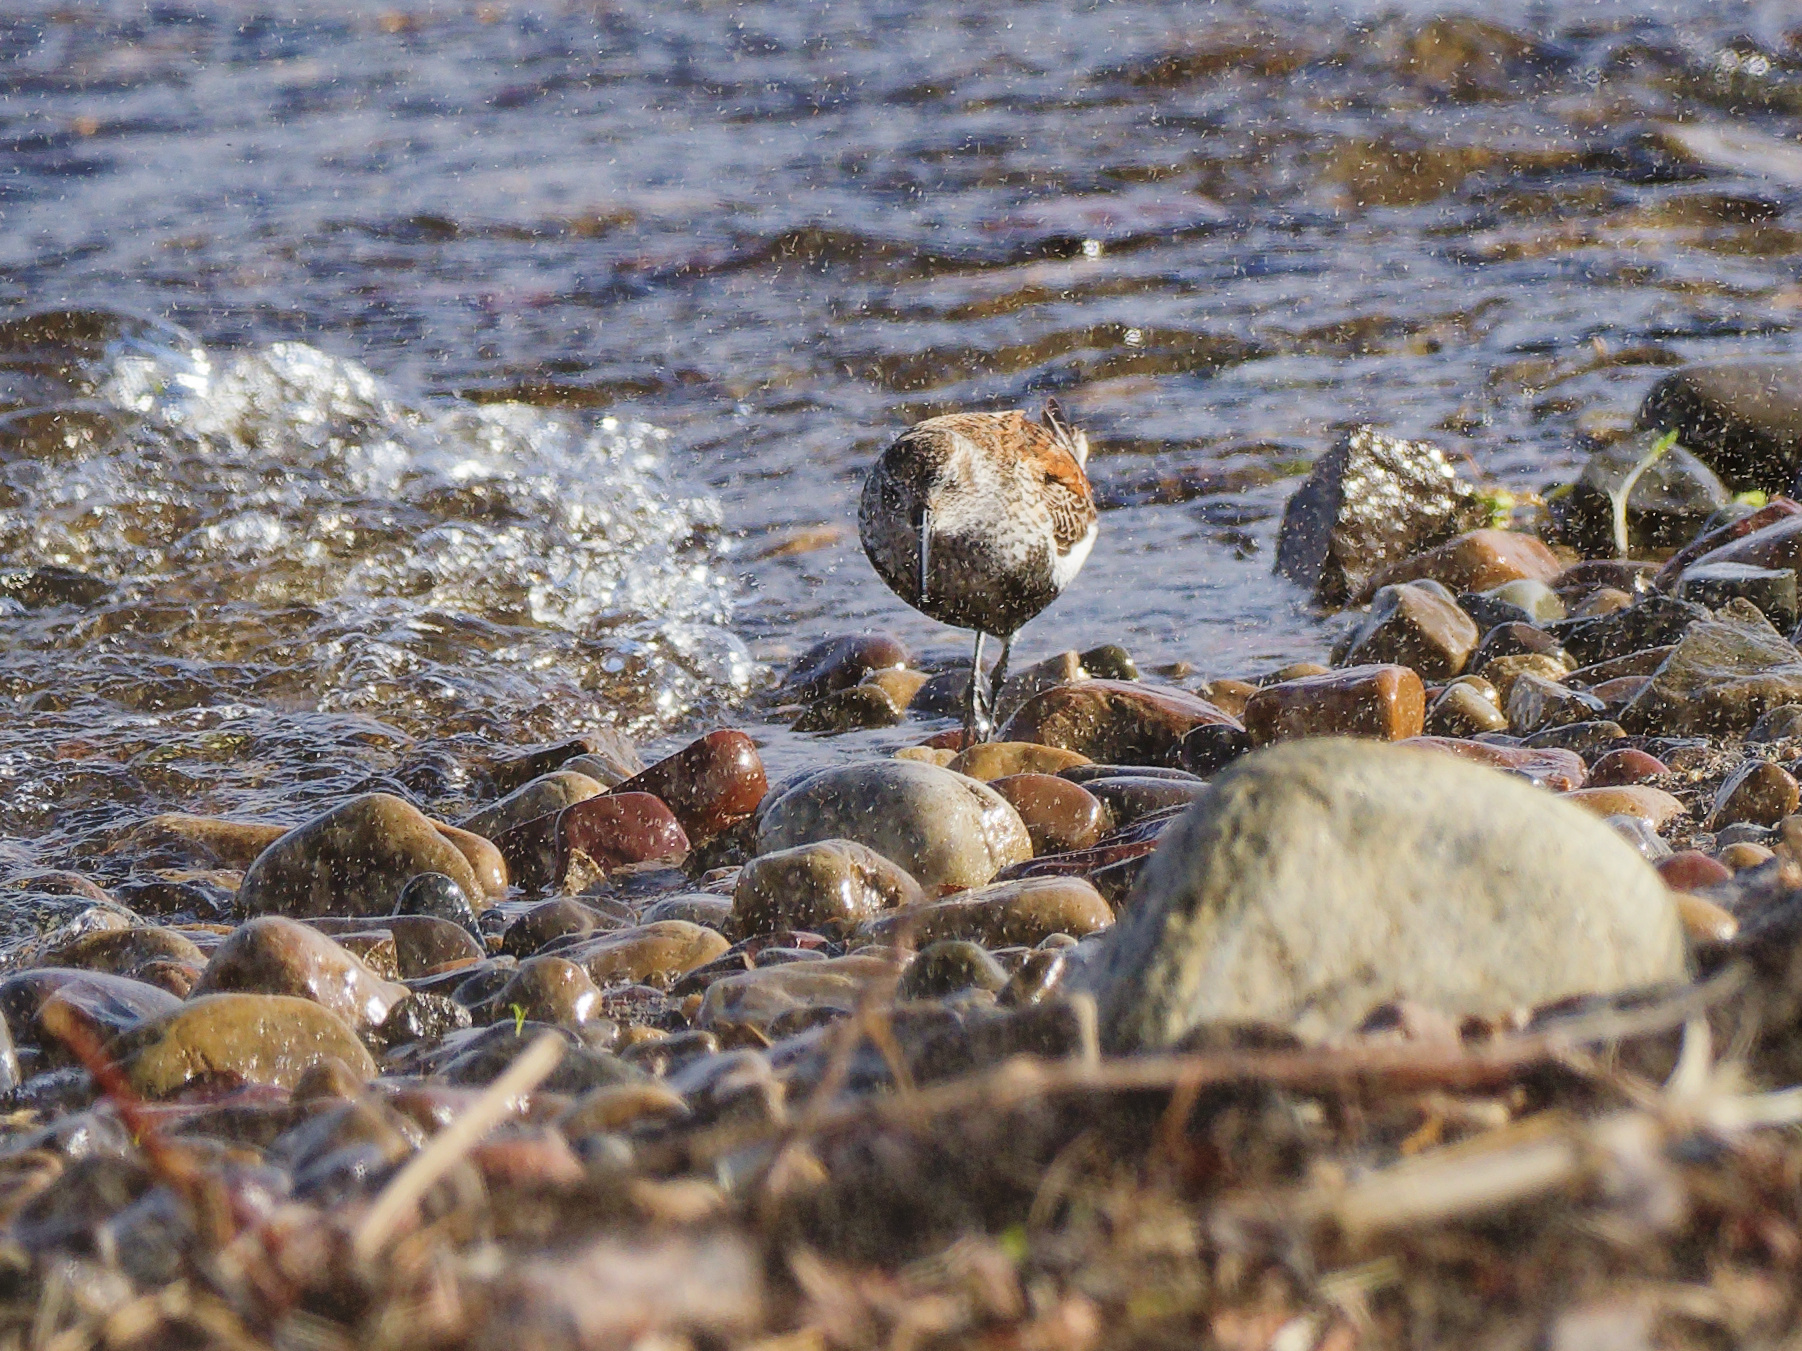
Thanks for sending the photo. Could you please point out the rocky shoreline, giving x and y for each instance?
(1442, 994)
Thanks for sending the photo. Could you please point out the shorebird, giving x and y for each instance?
(980, 520)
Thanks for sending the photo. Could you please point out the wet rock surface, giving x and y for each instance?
(224, 1040)
(353, 860)
(945, 830)
(279, 956)
(829, 887)
(1371, 501)
(1744, 418)
(1115, 721)
(1313, 882)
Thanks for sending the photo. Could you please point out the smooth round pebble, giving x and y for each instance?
(1619, 768)
(1059, 815)
(1689, 869)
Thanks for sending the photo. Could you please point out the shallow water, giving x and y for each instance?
(438, 378)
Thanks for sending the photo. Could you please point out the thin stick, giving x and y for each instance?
(405, 1188)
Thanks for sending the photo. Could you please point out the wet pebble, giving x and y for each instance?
(1476, 561)
(126, 952)
(1462, 709)
(1504, 671)
(945, 830)
(657, 952)
(547, 793)
(1625, 766)
(696, 907)
(839, 662)
(1116, 721)
(761, 997)
(225, 1039)
(617, 830)
(829, 887)
(1535, 704)
(1127, 798)
(274, 955)
(1654, 805)
(1728, 670)
(1743, 854)
(709, 784)
(438, 896)
(991, 760)
(1778, 724)
(1024, 911)
(425, 943)
(550, 920)
(1386, 702)
(1059, 815)
(1759, 792)
(100, 1004)
(947, 967)
(851, 710)
(353, 860)
(1690, 870)
(1416, 624)
(543, 989)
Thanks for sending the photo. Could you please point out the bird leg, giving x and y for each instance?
(976, 722)
(996, 679)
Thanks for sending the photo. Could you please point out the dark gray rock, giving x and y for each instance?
(1371, 501)
(1772, 590)
(1638, 494)
(1741, 418)
(1728, 671)
(1653, 622)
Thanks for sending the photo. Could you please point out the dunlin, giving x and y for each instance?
(980, 520)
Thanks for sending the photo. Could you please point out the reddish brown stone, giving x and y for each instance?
(1559, 770)
(1119, 722)
(1618, 768)
(617, 829)
(1778, 512)
(1689, 869)
(1059, 815)
(837, 663)
(1385, 702)
(709, 784)
(1475, 562)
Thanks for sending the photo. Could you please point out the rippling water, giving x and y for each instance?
(382, 387)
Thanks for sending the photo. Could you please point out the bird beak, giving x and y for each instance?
(925, 548)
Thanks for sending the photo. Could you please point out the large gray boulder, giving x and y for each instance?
(1319, 879)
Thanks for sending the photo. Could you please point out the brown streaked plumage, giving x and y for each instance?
(980, 520)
